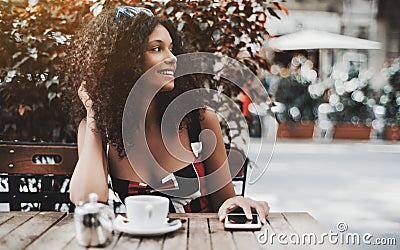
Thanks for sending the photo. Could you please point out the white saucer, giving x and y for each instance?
(122, 224)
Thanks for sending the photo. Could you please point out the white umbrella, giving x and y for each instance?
(315, 39)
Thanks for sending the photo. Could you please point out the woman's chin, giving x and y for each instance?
(168, 86)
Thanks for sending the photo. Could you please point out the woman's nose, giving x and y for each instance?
(171, 58)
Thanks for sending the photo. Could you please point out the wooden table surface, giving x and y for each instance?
(55, 230)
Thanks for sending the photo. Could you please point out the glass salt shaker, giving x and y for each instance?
(93, 222)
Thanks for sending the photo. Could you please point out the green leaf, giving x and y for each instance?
(51, 96)
(169, 10)
(17, 54)
(21, 62)
(216, 35)
(230, 10)
(180, 26)
(203, 26)
(47, 31)
(48, 84)
(11, 73)
(178, 15)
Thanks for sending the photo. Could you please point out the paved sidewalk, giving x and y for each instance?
(351, 181)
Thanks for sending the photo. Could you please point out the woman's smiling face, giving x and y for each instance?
(159, 59)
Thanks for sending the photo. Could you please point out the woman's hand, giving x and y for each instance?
(87, 102)
(246, 204)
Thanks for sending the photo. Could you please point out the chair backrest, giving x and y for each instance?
(49, 166)
(36, 173)
(238, 163)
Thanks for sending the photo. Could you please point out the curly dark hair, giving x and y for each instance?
(108, 55)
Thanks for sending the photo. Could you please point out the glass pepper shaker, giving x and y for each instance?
(93, 223)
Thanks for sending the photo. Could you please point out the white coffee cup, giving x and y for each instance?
(147, 211)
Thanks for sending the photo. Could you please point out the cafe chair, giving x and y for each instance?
(35, 176)
(238, 164)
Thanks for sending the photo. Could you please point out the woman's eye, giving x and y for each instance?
(156, 49)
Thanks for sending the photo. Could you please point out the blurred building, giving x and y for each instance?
(368, 19)
(389, 27)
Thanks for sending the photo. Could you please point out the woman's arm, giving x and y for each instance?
(224, 200)
(90, 174)
(213, 150)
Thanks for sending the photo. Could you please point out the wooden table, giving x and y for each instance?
(55, 230)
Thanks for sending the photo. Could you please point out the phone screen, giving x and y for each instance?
(242, 219)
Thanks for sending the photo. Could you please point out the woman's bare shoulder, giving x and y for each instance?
(208, 118)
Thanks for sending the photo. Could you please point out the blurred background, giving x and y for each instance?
(332, 74)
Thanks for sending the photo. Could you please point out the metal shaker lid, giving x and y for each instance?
(91, 207)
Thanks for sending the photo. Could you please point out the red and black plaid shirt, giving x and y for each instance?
(126, 188)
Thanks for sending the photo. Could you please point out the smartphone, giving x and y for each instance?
(240, 221)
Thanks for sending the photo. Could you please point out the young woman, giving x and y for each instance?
(109, 55)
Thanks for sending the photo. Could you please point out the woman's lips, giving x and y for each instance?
(167, 72)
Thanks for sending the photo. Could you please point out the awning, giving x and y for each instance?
(315, 39)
